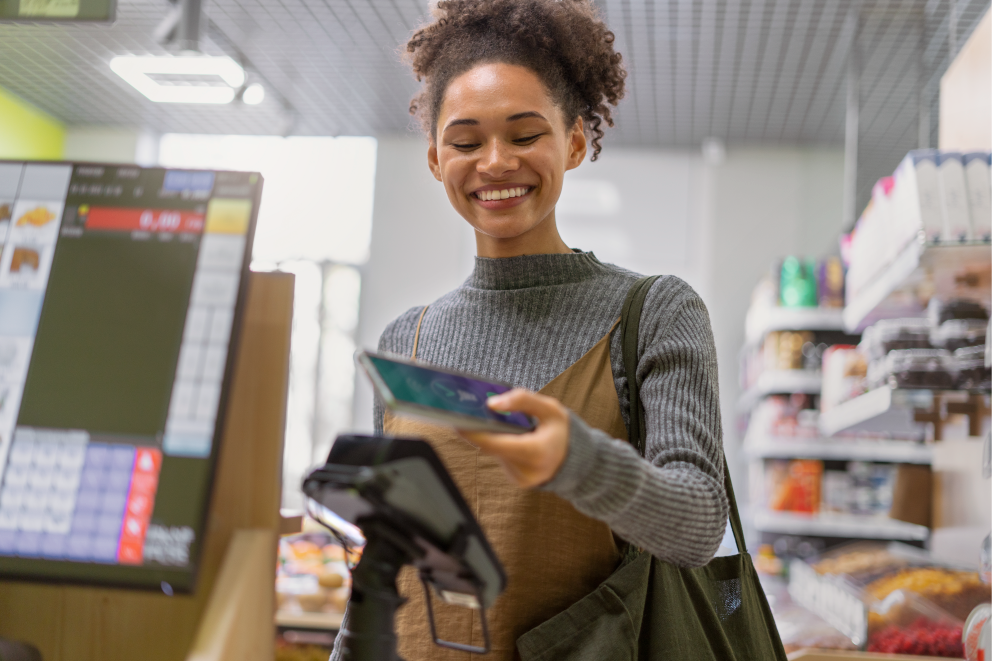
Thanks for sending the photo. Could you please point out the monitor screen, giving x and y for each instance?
(120, 294)
(58, 10)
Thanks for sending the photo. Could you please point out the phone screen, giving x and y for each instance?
(454, 393)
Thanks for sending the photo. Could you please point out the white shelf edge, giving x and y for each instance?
(875, 411)
(838, 525)
(759, 322)
(781, 381)
(890, 277)
(882, 284)
(888, 451)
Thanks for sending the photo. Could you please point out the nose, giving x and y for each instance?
(497, 160)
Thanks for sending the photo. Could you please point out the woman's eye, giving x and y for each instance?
(464, 146)
(529, 139)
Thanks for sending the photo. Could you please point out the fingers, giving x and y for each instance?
(525, 401)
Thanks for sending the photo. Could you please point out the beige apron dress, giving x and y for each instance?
(553, 555)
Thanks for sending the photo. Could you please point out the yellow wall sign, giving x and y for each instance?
(226, 216)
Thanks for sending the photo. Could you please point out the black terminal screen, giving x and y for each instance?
(120, 291)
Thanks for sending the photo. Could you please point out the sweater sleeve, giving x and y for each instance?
(672, 502)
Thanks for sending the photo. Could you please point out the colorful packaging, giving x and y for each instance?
(795, 486)
(797, 283)
(954, 199)
(830, 283)
(976, 175)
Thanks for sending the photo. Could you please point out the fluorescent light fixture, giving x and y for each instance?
(136, 69)
(253, 94)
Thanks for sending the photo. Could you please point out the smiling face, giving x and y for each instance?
(501, 151)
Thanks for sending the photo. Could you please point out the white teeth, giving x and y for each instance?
(501, 194)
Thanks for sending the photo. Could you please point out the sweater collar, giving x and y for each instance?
(533, 270)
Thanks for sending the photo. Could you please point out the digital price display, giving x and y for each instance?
(120, 294)
(38, 11)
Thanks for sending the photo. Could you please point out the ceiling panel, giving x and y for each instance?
(745, 71)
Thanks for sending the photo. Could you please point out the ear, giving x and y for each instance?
(432, 161)
(576, 145)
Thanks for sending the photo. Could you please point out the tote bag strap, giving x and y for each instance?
(630, 319)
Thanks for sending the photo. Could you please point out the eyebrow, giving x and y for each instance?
(512, 118)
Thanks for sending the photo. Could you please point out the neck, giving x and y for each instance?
(540, 240)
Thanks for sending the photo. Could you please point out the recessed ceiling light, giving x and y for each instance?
(137, 70)
(253, 94)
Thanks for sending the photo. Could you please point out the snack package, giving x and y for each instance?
(794, 486)
(976, 175)
(954, 199)
(916, 194)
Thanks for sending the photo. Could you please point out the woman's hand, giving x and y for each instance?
(534, 458)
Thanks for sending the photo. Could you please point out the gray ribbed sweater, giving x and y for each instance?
(524, 320)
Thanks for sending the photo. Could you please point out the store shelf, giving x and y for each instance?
(838, 449)
(892, 291)
(780, 381)
(323, 621)
(761, 321)
(885, 410)
(838, 525)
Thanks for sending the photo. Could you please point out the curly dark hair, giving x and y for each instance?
(564, 42)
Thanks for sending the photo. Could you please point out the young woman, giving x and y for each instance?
(514, 91)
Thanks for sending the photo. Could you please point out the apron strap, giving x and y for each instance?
(630, 316)
(416, 336)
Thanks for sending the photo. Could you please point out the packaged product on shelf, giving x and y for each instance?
(891, 334)
(954, 199)
(312, 574)
(912, 604)
(786, 416)
(940, 310)
(916, 195)
(871, 487)
(844, 372)
(883, 219)
(783, 350)
(969, 363)
(794, 486)
(955, 334)
(976, 175)
(797, 283)
(838, 489)
(932, 369)
(830, 283)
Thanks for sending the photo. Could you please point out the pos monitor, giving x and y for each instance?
(121, 290)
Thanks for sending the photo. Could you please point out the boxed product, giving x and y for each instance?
(794, 486)
(844, 372)
(916, 193)
(830, 283)
(953, 199)
(797, 283)
(976, 175)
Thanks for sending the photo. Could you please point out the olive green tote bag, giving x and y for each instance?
(650, 609)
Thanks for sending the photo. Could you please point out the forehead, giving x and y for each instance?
(494, 90)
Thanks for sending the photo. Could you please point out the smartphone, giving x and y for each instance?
(438, 395)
